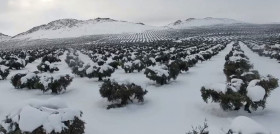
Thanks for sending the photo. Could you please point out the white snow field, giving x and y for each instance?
(67, 28)
(169, 109)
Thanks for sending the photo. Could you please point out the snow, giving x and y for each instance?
(4, 37)
(245, 125)
(172, 108)
(189, 23)
(237, 58)
(31, 118)
(236, 83)
(50, 114)
(218, 87)
(83, 28)
(255, 93)
(160, 70)
(27, 77)
(3, 68)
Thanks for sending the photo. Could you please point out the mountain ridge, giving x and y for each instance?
(63, 28)
(199, 22)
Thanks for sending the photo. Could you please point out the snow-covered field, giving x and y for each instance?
(168, 109)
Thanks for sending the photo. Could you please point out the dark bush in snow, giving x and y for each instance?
(158, 73)
(73, 61)
(16, 63)
(99, 71)
(25, 80)
(236, 67)
(245, 87)
(200, 129)
(51, 58)
(47, 67)
(174, 69)
(34, 81)
(30, 59)
(114, 64)
(150, 61)
(55, 84)
(249, 76)
(4, 72)
(121, 94)
(128, 67)
(48, 117)
(138, 65)
(80, 71)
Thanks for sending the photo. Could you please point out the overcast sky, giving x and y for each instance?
(17, 16)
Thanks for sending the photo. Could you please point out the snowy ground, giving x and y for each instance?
(168, 109)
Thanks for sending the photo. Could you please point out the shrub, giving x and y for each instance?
(99, 71)
(16, 64)
(29, 80)
(30, 59)
(47, 67)
(57, 84)
(150, 61)
(138, 65)
(114, 64)
(80, 71)
(128, 67)
(45, 83)
(200, 129)
(251, 97)
(245, 88)
(121, 94)
(158, 73)
(174, 69)
(236, 67)
(51, 58)
(4, 72)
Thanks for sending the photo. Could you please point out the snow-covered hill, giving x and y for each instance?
(209, 21)
(4, 37)
(68, 28)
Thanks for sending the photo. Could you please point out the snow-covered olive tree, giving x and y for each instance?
(121, 94)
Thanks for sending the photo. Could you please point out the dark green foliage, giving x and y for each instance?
(228, 101)
(138, 65)
(174, 70)
(15, 80)
(47, 67)
(129, 67)
(16, 64)
(33, 81)
(236, 68)
(51, 58)
(30, 59)
(114, 64)
(121, 94)
(100, 72)
(235, 95)
(269, 83)
(29, 81)
(249, 76)
(80, 71)
(60, 84)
